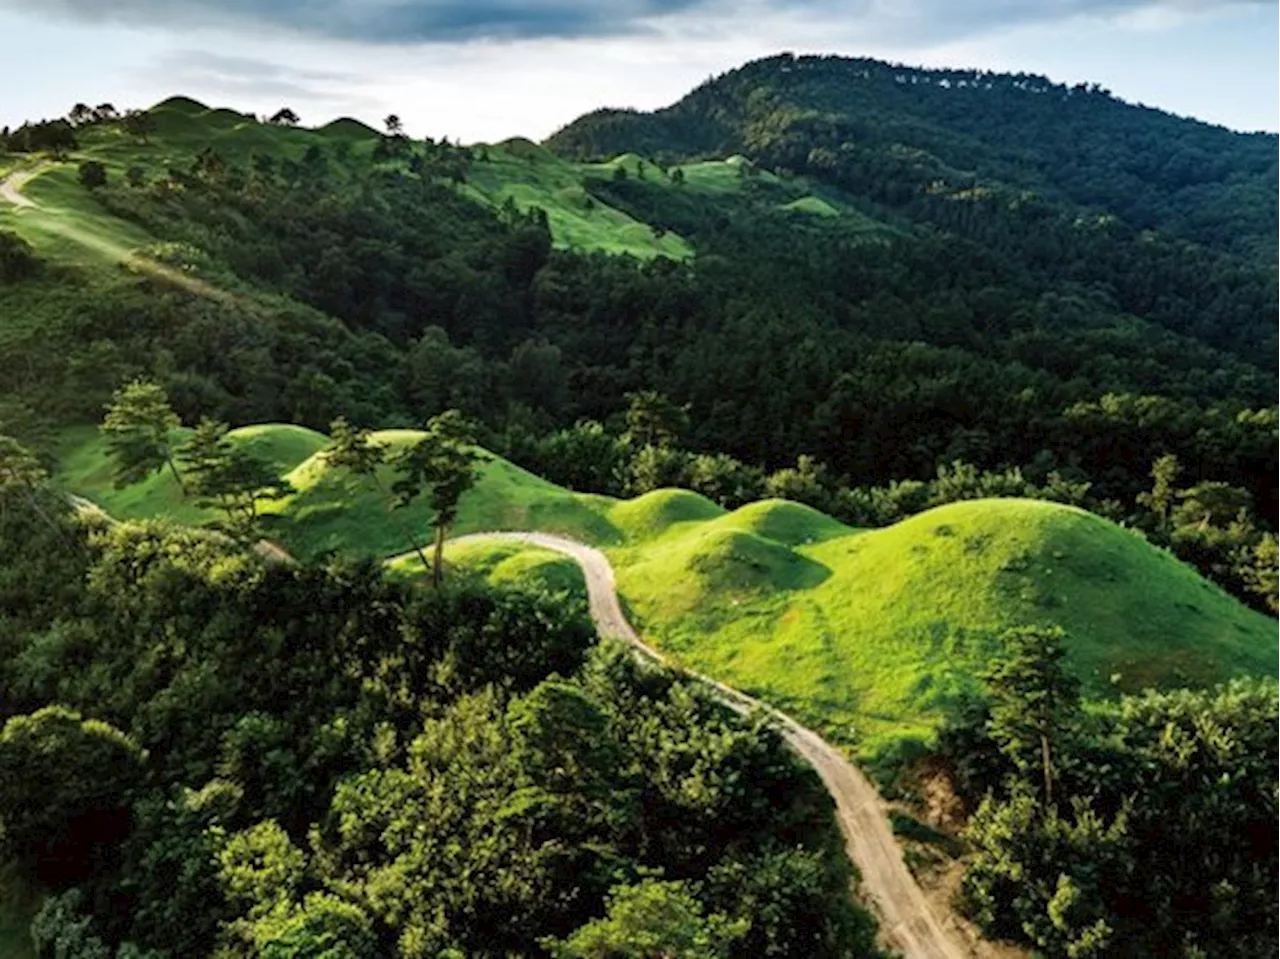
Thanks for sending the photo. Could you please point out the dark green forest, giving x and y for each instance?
(1046, 292)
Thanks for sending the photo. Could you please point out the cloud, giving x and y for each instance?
(451, 21)
(219, 73)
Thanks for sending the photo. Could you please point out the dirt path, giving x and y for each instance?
(11, 186)
(906, 921)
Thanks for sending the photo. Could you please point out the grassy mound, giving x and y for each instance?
(868, 634)
(653, 514)
(872, 634)
(180, 104)
(791, 524)
(334, 511)
(348, 128)
(811, 206)
(505, 563)
(85, 468)
(331, 510)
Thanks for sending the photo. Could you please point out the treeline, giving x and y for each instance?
(204, 753)
(1144, 826)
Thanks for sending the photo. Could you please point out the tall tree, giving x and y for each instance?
(284, 117)
(80, 114)
(654, 420)
(1033, 699)
(443, 465)
(139, 427)
(229, 477)
(353, 450)
(139, 124)
(393, 124)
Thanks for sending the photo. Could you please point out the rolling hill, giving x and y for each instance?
(868, 634)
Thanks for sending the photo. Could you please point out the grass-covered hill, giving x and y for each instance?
(868, 633)
(874, 632)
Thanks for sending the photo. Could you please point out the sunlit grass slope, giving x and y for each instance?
(70, 225)
(85, 468)
(872, 633)
(735, 176)
(533, 177)
(868, 634)
(336, 511)
(504, 563)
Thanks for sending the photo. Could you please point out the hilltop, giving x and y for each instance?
(887, 129)
(869, 634)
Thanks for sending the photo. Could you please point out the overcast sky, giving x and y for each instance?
(488, 69)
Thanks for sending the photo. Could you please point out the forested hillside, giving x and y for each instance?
(873, 290)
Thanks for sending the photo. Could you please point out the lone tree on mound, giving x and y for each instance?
(138, 427)
(92, 174)
(1033, 700)
(354, 451)
(230, 477)
(284, 117)
(443, 465)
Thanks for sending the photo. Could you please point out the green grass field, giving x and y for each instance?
(872, 633)
(531, 176)
(505, 563)
(869, 634)
(85, 467)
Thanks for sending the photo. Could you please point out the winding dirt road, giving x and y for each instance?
(11, 186)
(907, 923)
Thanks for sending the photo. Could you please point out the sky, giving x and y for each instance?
(485, 70)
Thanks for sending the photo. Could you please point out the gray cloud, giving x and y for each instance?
(446, 21)
(208, 74)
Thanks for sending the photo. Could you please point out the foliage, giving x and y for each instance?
(229, 476)
(442, 465)
(65, 785)
(138, 425)
(653, 919)
(1033, 700)
(339, 761)
(1163, 838)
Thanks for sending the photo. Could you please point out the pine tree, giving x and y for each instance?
(1033, 700)
(442, 465)
(138, 427)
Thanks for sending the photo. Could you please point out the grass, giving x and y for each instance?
(871, 634)
(531, 176)
(72, 227)
(333, 511)
(85, 468)
(868, 634)
(505, 563)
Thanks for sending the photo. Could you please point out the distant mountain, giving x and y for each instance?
(893, 134)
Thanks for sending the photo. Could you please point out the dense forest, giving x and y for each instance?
(1029, 290)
